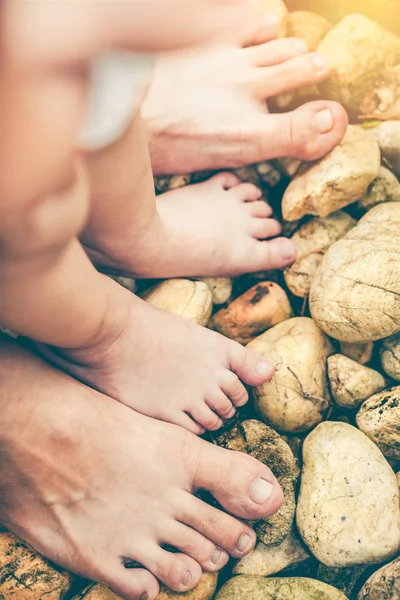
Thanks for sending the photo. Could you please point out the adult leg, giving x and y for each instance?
(93, 485)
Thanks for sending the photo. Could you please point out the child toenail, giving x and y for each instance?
(323, 121)
(261, 490)
(287, 250)
(186, 578)
(264, 368)
(320, 64)
(299, 46)
(244, 542)
(216, 556)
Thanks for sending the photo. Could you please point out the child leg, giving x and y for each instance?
(51, 292)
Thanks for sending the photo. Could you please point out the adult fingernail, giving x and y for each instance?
(299, 46)
(186, 578)
(244, 542)
(260, 490)
(216, 556)
(264, 368)
(287, 250)
(323, 120)
(320, 64)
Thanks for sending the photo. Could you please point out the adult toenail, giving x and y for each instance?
(260, 490)
(264, 368)
(216, 556)
(323, 120)
(186, 578)
(299, 46)
(244, 542)
(320, 64)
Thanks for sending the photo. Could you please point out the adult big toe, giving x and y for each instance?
(307, 133)
(317, 127)
(242, 485)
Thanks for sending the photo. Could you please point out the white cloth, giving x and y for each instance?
(118, 83)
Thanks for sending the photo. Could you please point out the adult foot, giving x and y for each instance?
(164, 366)
(197, 120)
(216, 228)
(96, 487)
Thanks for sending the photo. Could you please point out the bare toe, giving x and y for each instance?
(276, 51)
(205, 552)
(133, 584)
(265, 228)
(177, 571)
(308, 133)
(249, 366)
(206, 417)
(184, 420)
(226, 180)
(234, 389)
(327, 124)
(308, 69)
(274, 254)
(221, 404)
(247, 192)
(259, 209)
(240, 483)
(236, 537)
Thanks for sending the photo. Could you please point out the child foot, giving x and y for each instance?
(166, 367)
(216, 228)
(95, 487)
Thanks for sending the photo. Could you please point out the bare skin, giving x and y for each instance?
(229, 235)
(51, 291)
(166, 367)
(91, 484)
(219, 227)
(203, 123)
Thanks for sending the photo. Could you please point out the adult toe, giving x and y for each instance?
(178, 571)
(132, 584)
(307, 133)
(227, 532)
(243, 485)
(205, 552)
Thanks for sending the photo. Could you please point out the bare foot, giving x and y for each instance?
(196, 119)
(216, 228)
(165, 367)
(95, 487)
